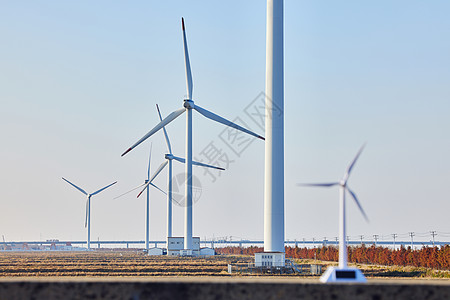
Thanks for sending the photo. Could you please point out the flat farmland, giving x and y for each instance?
(128, 263)
(114, 263)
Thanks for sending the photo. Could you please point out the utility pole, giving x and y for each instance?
(433, 234)
(394, 235)
(361, 236)
(337, 239)
(411, 234)
(375, 237)
(314, 242)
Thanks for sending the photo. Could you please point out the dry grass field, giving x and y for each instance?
(107, 263)
(137, 264)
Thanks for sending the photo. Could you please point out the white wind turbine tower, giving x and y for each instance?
(274, 146)
(169, 157)
(343, 273)
(87, 222)
(148, 181)
(188, 106)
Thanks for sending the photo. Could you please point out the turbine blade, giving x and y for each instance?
(176, 201)
(163, 123)
(129, 191)
(219, 119)
(87, 211)
(104, 188)
(189, 84)
(166, 136)
(78, 188)
(145, 187)
(153, 185)
(161, 167)
(318, 184)
(150, 183)
(181, 160)
(357, 203)
(350, 167)
(196, 163)
(149, 159)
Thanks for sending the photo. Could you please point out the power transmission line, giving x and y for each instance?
(375, 237)
(394, 235)
(433, 234)
(411, 234)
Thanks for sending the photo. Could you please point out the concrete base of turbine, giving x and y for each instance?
(270, 259)
(336, 275)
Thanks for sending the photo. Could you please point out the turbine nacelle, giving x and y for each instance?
(188, 104)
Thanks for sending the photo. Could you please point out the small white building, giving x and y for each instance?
(155, 251)
(206, 251)
(270, 259)
(175, 247)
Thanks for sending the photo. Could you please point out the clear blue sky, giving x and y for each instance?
(79, 82)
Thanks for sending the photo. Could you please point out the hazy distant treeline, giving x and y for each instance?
(429, 257)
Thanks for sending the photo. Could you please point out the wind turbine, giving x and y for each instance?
(169, 157)
(188, 106)
(343, 273)
(148, 181)
(87, 222)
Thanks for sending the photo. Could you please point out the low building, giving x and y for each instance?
(206, 251)
(270, 259)
(155, 251)
(175, 247)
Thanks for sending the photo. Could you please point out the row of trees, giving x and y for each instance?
(430, 257)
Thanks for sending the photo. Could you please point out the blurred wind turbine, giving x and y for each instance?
(147, 183)
(188, 106)
(343, 273)
(87, 222)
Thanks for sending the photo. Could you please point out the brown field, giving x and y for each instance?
(137, 264)
(106, 263)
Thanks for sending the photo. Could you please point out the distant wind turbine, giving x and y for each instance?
(147, 183)
(87, 222)
(343, 273)
(169, 157)
(188, 106)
